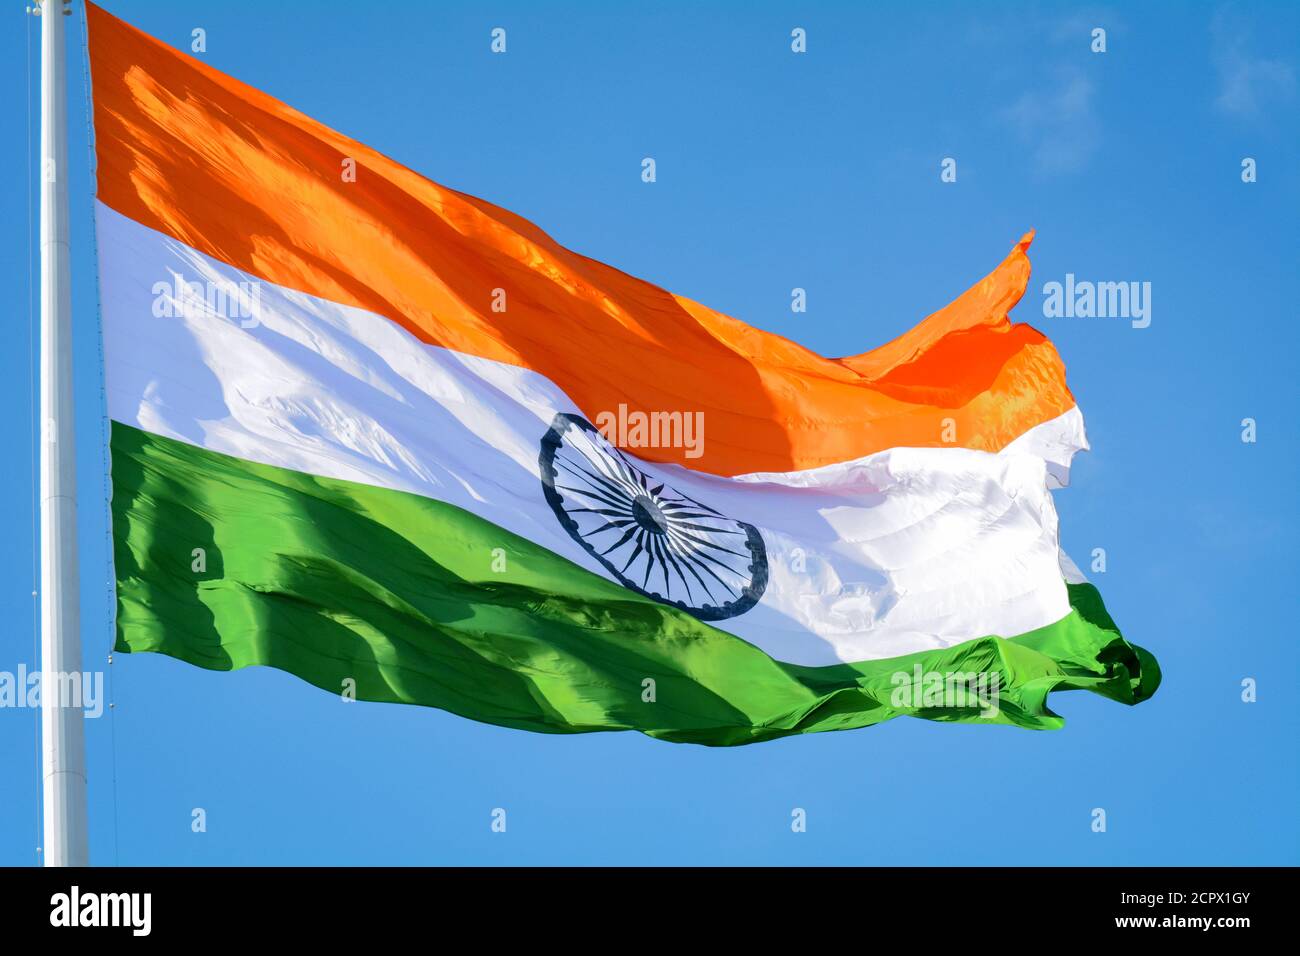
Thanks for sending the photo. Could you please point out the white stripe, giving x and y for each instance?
(1070, 571)
(1054, 441)
(898, 552)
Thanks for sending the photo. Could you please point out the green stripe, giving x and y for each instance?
(334, 581)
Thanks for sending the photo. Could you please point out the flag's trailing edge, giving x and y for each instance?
(332, 455)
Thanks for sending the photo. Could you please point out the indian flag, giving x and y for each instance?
(397, 441)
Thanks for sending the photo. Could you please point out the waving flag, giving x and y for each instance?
(399, 442)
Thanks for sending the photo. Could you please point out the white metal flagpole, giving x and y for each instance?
(62, 732)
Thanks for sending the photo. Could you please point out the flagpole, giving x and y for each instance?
(63, 754)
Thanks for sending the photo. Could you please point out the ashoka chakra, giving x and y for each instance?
(650, 537)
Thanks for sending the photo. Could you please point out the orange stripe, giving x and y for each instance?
(191, 152)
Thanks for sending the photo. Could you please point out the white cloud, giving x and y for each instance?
(1058, 123)
(1246, 82)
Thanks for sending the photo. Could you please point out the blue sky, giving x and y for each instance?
(776, 170)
